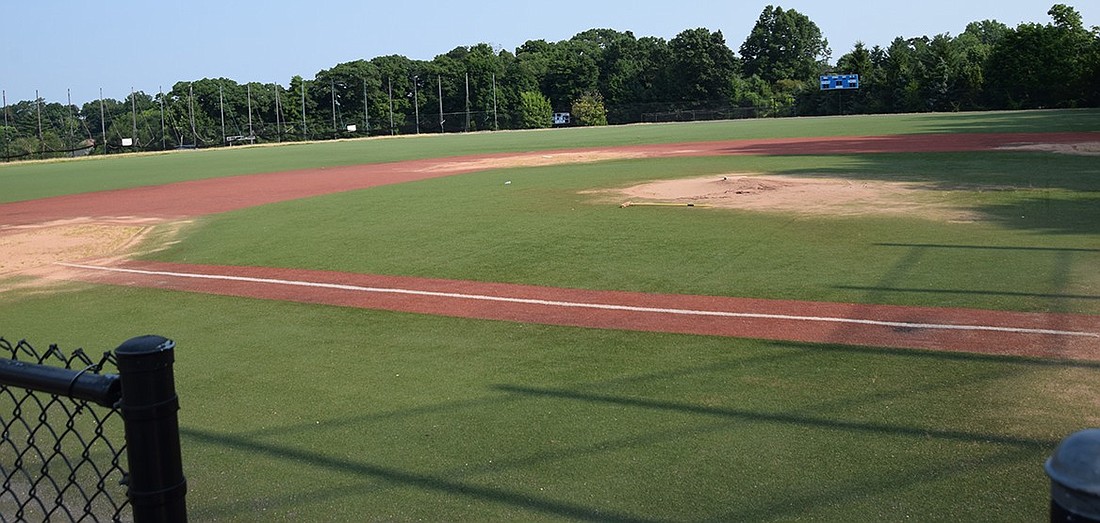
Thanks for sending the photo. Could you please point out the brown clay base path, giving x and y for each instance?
(1061, 336)
(201, 197)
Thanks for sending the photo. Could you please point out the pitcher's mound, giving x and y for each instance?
(823, 196)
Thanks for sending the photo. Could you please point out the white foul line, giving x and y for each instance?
(600, 306)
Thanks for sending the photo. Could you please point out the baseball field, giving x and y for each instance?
(878, 318)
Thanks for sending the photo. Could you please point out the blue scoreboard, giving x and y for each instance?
(834, 82)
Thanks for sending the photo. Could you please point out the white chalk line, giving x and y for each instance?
(580, 305)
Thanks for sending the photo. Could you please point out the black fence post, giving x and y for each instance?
(149, 404)
(1074, 472)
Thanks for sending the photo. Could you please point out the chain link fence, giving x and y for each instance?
(64, 452)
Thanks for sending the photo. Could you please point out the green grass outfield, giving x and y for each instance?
(30, 180)
(303, 412)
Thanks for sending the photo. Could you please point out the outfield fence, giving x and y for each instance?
(34, 130)
(80, 444)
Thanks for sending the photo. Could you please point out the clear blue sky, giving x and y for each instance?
(54, 45)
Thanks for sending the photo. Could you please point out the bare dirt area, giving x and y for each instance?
(37, 250)
(1077, 149)
(819, 196)
(531, 160)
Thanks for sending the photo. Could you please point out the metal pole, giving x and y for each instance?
(304, 109)
(103, 121)
(332, 91)
(4, 95)
(191, 111)
(496, 125)
(251, 135)
(221, 107)
(41, 142)
(133, 114)
(389, 82)
(467, 102)
(366, 112)
(278, 124)
(416, 103)
(440, 80)
(101, 389)
(69, 98)
(149, 405)
(163, 139)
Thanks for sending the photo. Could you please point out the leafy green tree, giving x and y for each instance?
(299, 125)
(652, 80)
(571, 70)
(350, 82)
(752, 92)
(903, 72)
(784, 45)
(535, 111)
(588, 109)
(395, 79)
(703, 66)
(974, 47)
(620, 61)
(141, 112)
(7, 135)
(484, 68)
(1043, 65)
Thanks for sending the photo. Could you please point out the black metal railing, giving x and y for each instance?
(66, 426)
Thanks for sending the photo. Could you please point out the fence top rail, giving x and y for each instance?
(80, 378)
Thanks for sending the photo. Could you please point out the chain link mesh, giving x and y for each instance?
(61, 459)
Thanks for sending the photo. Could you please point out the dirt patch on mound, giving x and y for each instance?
(1078, 149)
(532, 160)
(822, 196)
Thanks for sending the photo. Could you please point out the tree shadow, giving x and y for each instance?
(782, 418)
(1001, 173)
(693, 419)
(437, 483)
(1037, 121)
(1023, 190)
(1048, 214)
(1060, 277)
(944, 356)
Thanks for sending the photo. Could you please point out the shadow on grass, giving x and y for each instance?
(781, 418)
(872, 486)
(995, 172)
(394, 475)
(374, 477)
(1036, 191)
(986, 247)
(1050, 214)
(945, 356)
(1061, 265)
(1037, 121)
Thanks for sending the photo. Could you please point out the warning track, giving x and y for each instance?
(963, 330)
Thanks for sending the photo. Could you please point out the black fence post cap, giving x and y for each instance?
(1074, 472)
(145, 345)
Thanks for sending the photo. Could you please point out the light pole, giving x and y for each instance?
(416, 104)
(389, 85)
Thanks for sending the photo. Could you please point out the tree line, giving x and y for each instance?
(600, 76)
